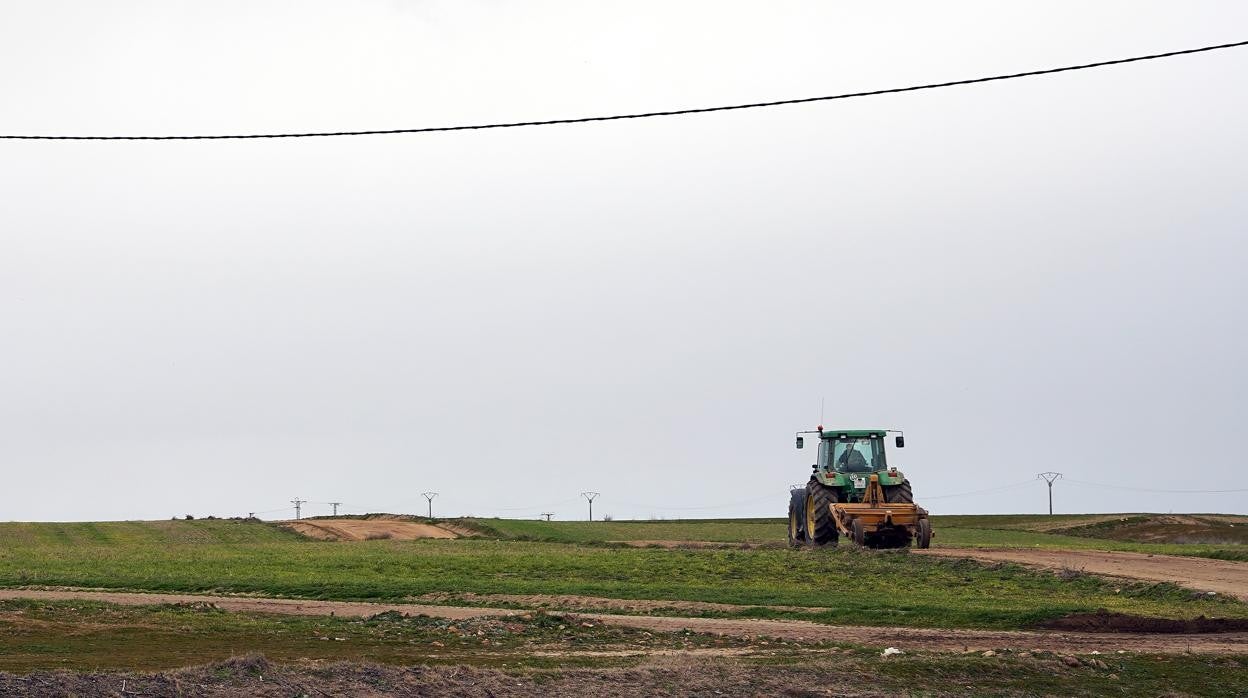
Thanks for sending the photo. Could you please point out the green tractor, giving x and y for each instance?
(853, 491)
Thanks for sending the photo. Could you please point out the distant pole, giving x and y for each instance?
(298, 503)
(429, 496)
(335, 505)
(547, 515)
(1050, 477)
(251, 514)
(590, 496)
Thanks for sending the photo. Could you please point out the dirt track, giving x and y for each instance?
(904, 638)
(1221, 576)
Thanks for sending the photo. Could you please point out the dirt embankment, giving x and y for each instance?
(1106, 621)
(927, 639)
(1220, 576)
(1208, 529)
(368, 529)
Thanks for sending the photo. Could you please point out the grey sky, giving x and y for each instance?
(1044, 274)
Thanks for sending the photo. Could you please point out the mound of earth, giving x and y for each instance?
(367, 529)
(1106, 622)
(1167, 528)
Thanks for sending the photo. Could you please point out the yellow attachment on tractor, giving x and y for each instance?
(879, 523)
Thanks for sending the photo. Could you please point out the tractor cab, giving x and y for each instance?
(852, 454)
(847, 458)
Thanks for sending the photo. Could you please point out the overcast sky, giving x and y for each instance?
(1041, 274)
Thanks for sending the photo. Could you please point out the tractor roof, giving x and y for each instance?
(833, 433)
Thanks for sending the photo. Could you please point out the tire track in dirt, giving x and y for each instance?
(912, 639)
(1220, 576)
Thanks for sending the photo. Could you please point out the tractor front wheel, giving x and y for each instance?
(820, 528)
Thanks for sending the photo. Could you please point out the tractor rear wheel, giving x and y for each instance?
(797, 518)
(923, 537)
(820, 528)
(899, 494)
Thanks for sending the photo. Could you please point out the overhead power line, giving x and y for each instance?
(1160, 491)
(638, 115)
(1014, 486)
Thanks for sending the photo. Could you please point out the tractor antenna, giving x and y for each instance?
(821, 410)
(1050, 477)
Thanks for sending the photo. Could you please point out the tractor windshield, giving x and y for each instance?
(858, 455)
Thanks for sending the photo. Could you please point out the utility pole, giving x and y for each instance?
(590, 496)
(251, 514)
(547, 515)
(429, 496)
(335, 505)
(298, 503)
(1050, 477)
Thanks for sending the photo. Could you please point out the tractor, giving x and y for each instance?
(853, 491)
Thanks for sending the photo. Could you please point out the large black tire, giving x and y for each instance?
(797, 518)
(820, 528)
(899, 494)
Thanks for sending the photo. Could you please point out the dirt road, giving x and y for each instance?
(904, 638)
(1221, 576)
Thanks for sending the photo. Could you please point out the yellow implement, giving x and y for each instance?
(878, 523)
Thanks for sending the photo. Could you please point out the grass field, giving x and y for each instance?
(846, 586)
(1072, 531)
(709, 530)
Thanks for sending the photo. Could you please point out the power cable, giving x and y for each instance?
(539, 506)
(641, 115)
(1014, 486)
(270, 511)
(1160, 491)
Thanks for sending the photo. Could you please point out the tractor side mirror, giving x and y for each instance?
(800, 442)
(901, 442)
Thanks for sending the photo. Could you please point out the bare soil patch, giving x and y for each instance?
(694, 544)
(251, 604)
(1108, 622)
(572, 602)
(927, 639)
(1220, 576)
(253, 675)
(367, 529)
(1059, 524)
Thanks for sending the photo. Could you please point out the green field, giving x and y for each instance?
(754, 531)
(844, 586)
(1000, 531)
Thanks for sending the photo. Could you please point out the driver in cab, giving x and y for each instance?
(852, 461)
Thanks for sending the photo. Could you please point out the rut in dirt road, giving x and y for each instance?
(925, 639)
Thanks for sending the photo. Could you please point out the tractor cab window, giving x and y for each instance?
(858, 455)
